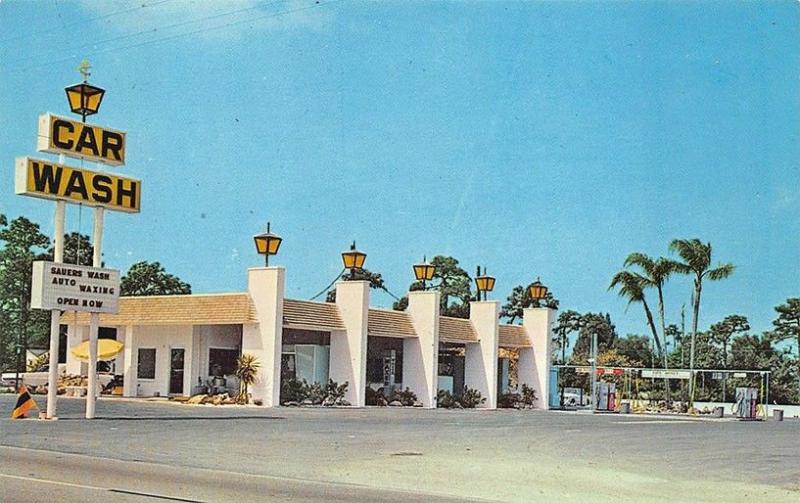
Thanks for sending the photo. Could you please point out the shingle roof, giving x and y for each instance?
(513, 336)
(204, 309)
(456, 330)
(385, 323)
(309, 315)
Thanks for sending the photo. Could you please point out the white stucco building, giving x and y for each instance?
(176, 344)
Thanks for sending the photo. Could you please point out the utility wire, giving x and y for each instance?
(185, 34)
(329, 285)
(153, 30)
(29, 34)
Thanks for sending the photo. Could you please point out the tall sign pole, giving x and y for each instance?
(60, 287)
(94, 317)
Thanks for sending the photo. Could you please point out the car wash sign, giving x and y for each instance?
(50, 180)
(70, 287)
(60, 135)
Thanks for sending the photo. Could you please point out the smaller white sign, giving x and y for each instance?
(71, 287)
(667, 374)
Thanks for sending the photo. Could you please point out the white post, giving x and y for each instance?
(480, 358)
(264, 340)
(129, 379)
(348, 358)
(94, 318)
(421, 353)
(534, 364)
(55, 315)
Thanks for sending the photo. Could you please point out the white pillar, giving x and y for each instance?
(534, 364)
(349, 347)
(94, 318)
(480, 362)
(421, 354)
(264, 340)
(129, 368)
(55, 315)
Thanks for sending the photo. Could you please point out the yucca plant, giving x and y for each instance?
(246, 370)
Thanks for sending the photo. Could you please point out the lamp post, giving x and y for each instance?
(484, 283)
(267, 243)
(424, 271)
(353, 259)
(537, 291)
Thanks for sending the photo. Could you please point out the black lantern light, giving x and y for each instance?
(484, 283)
(424, 271)
(84, 98)
(267, 244)
(537, 291)
(353, 259)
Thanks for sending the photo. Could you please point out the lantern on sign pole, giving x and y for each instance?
(84, 98)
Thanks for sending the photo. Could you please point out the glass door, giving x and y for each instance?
(176, 371)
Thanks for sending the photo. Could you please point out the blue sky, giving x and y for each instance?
(538, 139)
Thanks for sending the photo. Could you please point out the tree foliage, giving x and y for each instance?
(520, 299)
(374, 278)
(21, 327)
(150, 278)
(454, 284)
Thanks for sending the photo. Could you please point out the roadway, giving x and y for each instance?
(145, 450)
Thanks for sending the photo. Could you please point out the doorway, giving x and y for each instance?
(176, 371)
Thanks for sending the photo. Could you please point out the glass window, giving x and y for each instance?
(147, 364)
(222, 362)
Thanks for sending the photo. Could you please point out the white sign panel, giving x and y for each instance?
(71, 287)
(667, 374)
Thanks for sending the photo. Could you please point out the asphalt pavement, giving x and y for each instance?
(150, 450)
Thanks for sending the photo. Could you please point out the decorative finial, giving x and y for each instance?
(84, 68)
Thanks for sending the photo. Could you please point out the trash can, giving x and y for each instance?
(777, 414)
(719, 411)
(625, 408)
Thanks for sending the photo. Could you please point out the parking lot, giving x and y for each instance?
(502, 455)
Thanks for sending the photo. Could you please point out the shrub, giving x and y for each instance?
(509, 400)
(445, 399)
(407, 397)
(334, 393)
(293, 390)
(471, 398)
(528, 396)
(246, 370)
(375, 397)
(314, 392)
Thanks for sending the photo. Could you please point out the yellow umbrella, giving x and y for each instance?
(107, 349)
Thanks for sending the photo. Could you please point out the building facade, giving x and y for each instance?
(183, 344)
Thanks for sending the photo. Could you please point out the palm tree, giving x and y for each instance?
(631, 285)
(696, 257)
(247, 366)
(656, 273)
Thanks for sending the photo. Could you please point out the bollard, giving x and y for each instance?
(719, 411)
(777, 414)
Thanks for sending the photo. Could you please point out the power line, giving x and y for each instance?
(329, 285)
(185, 34)
(151, 30)
(104, 16)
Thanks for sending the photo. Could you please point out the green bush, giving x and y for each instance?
(509, 400)
(334, 394)
(528, 396)
(446, 400)
(471, 398)
(375, 397)
(406, 397)
(293, 390)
